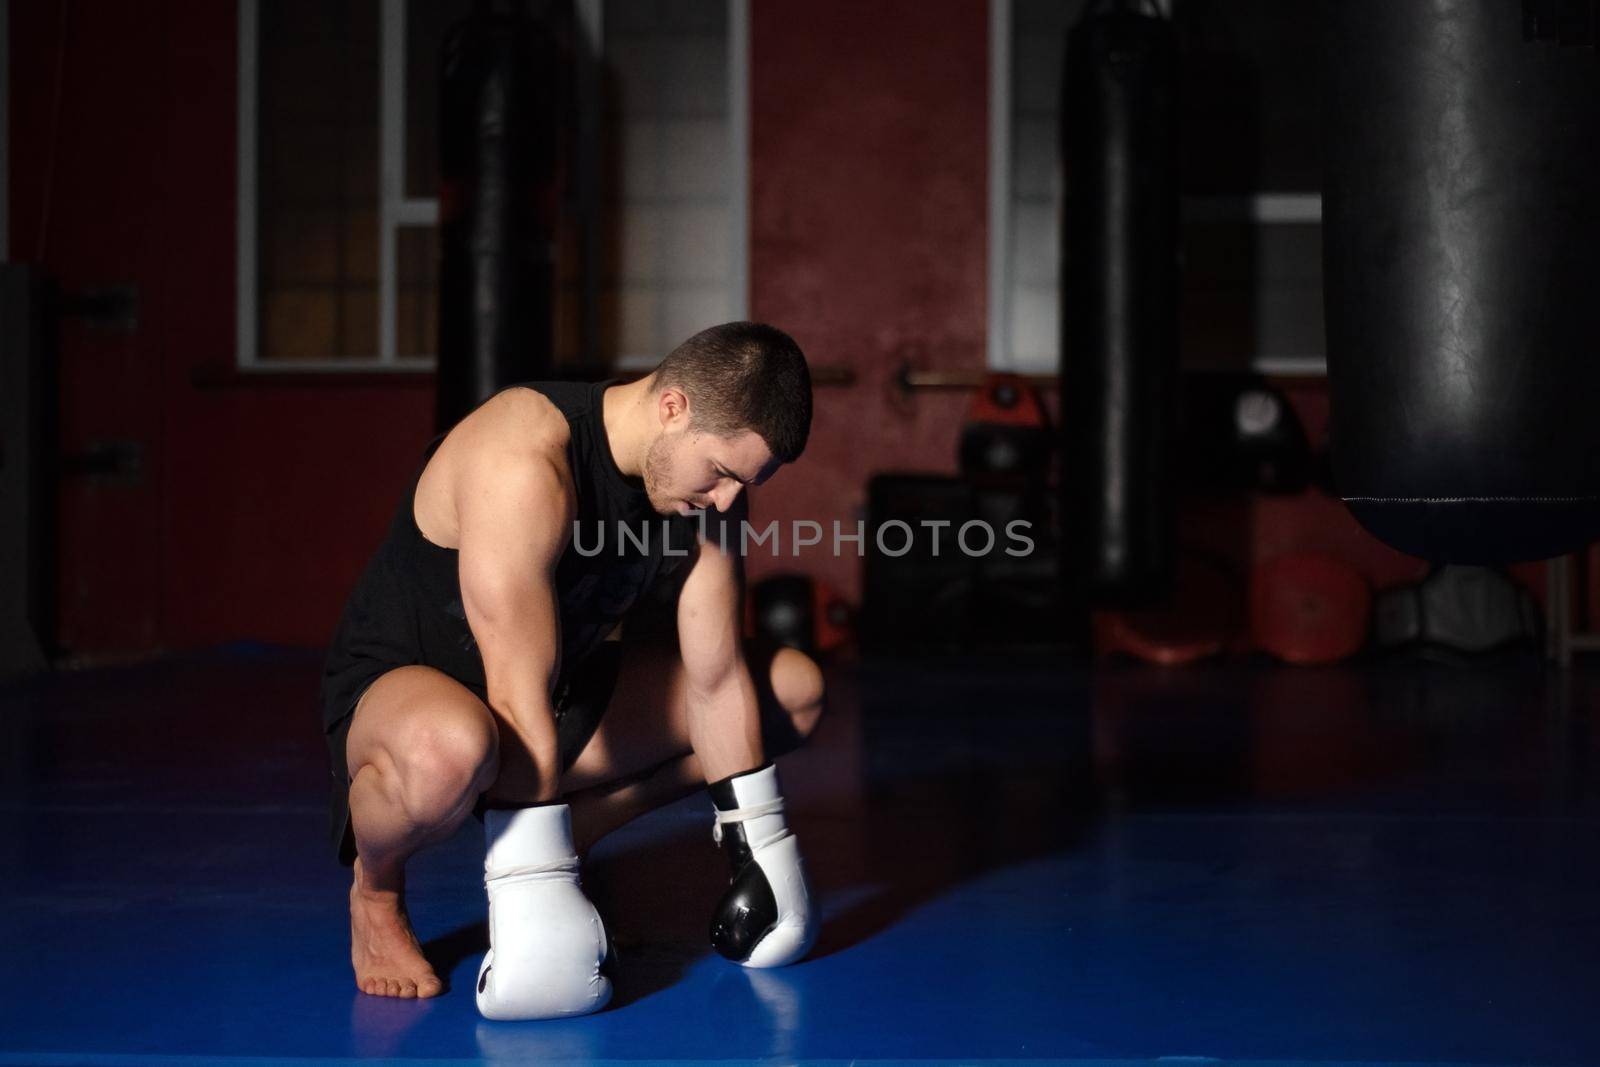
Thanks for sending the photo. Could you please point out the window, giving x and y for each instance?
(338, 181)
(677, 264)
(1252, 281)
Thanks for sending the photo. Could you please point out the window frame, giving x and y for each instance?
(397, 210)
(1261, 209)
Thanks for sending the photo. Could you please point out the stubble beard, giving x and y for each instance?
(657, 473)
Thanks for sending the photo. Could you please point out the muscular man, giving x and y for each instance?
(476, 665)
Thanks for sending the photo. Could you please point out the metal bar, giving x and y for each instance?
(961, 379)
(973, 379)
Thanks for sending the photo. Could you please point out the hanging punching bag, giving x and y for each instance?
(1119, 303)
(501, 146)
(1461, 252)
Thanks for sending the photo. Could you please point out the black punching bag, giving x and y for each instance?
(500, 142)
(1461, 212)
(1119, 303)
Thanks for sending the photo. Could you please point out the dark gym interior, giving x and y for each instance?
(1256, 341)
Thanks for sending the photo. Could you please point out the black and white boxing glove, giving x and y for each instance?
(765, 918)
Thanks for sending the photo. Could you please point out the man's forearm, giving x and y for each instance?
(725, 724)
(530, 757)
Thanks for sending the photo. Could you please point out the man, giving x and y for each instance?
(472, 667)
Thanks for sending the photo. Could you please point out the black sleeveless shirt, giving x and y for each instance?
(407, 608)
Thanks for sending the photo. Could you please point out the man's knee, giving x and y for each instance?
(444, 759)
(799, 693)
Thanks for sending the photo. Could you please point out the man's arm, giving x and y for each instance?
(724, 717)
(515, 515)
(765, 918)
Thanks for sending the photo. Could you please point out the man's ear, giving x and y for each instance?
(672, 406)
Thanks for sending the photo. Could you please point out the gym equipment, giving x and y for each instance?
(1119, 303)
(503, 90)
(1238, 432)
(797, 611)
(765, 919)
(1006, 440)
(1005, 455)
(1200, 621)
(934, 596)
(549, 956)
(1457, 609)
(1461, 244)
(781, 611)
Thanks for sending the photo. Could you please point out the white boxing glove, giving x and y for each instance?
(548, 952)
(765, 917)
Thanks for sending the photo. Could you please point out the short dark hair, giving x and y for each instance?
(744, 376)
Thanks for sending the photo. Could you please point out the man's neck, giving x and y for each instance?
(626, 413)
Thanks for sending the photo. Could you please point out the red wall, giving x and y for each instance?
(869, 148)
(258, 503)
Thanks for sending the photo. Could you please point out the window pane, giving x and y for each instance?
(656, 265)
(667, 244)
(416, 291)
(317, 186)
(1033, 267)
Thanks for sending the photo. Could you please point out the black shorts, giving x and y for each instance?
(580, 703)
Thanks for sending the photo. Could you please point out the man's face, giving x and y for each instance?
(686, 470)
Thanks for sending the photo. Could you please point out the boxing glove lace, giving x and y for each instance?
(765, 918)
(548, 951)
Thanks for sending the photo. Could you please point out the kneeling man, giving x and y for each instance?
(476, 668)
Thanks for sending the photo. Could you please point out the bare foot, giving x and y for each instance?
(384, 951)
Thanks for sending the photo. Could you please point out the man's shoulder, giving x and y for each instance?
(518, 431)
(512, 451)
